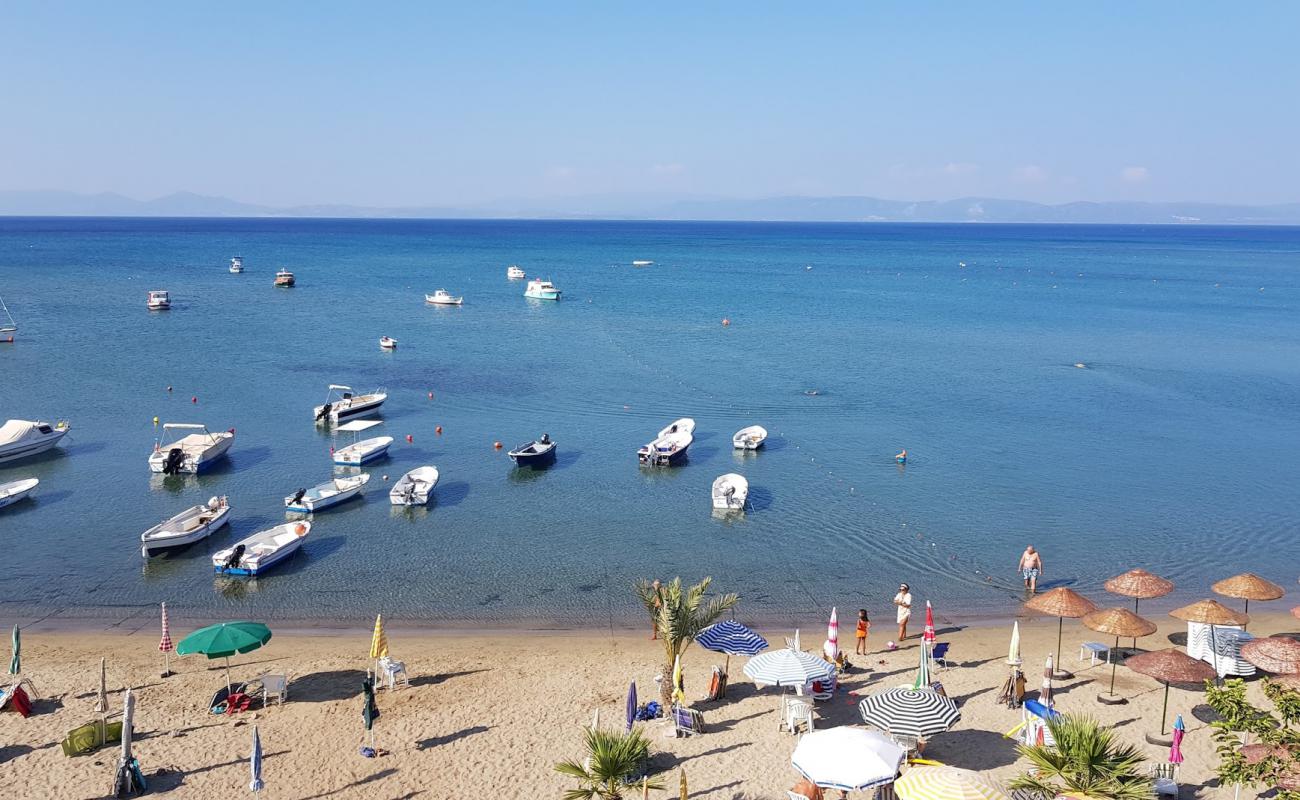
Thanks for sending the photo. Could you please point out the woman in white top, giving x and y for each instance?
(904, 602)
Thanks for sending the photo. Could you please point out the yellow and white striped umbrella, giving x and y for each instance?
(379, 641)
(948, 783)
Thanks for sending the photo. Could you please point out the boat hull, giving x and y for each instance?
(415, 488)
(158, 540)
(353, 411)
(15, 491)
(356, 455)
(543, 295)
(658, 459)
(310, 505)
(193, 465)
(533, 458)
(263, 564)
(33, 448)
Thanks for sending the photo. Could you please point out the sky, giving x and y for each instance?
(427, 104)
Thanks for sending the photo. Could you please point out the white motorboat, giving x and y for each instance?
(683, 425)
(13, 491)
(262, 550)
(730, 492)
(387, 343)
(514, 273)
(341, 404)
(539, 289)
(285, 279)
(358, 453)
(324, 495)
(192, 452)
(415, 487)
(750, 438)
(642, 263)
(159, 300)
(20, 438)
(191, 525)
(442, 297)
(236, 265)
(667, 450)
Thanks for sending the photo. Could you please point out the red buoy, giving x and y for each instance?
(194, 399)
(409, 438)
(438, 430)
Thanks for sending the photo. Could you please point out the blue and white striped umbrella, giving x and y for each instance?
(732, 638)
(788, 667)
(255, 763)
(847, 758)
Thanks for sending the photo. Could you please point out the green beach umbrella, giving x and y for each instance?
(16, 663)
(224, 640)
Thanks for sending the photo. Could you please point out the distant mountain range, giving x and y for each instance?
(651, 207)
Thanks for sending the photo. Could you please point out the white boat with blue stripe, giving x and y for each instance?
(361, 452)
(261, 551)
(327, 494)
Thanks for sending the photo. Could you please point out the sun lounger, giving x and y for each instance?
(686, 721)
(90, 737)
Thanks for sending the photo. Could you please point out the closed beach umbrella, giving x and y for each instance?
(101, 700)
(679, 687)
(787, 667)
(947, 783)
(1045, 693)
(631, 705)
(1061, 603)
(1210, 612)
(733, 639)
(16, 660)
(1118, 622)
(224, 640)
(1176, 750)
(848, 759)
(1248, 586)
(1139, 585)
(165, 645)
(1013, 652)
(909, 712)
(832, 646)
(255, 763)
(1170, 666)
(682, 793)
(1276, 654)
(369, 713)
(923, 672)
(129, 781)
(378, 639)
(927, 635)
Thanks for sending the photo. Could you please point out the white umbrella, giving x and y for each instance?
(1013, 654)
(788, 667)
(848, 759)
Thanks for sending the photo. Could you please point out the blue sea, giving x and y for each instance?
(1176, 447)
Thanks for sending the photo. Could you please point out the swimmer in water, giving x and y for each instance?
(901, 457)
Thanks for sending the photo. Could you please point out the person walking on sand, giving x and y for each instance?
(904, 602)
(1031, 566)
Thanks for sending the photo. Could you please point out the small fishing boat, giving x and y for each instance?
(539, 453)
(750, 438)
(683, 425)
(730, 492)
(191, 525)
(341, 404)
(539, 289)
(20, 438)
(324, 495)
(262, 550)
(514, 273)
(642, 263)
(190, 453)
(667, 450)
(442, 297)
(358, 453)
(284, 278)
(13, 491)
(236, 265)
(387, 343)
(158, 300)
(415, 487)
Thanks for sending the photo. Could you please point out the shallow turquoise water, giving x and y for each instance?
(1177, 448)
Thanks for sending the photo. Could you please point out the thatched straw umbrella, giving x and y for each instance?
(1276, 654)
(1061, 603)
(1289, 680)
(1210, 612)
(1248, 587)
(1255, 753)
(1117, 622)
(1295, 612)
(1139, 585)
(1170, 666)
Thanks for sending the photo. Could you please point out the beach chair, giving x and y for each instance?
(939, 653)
(910, 744)
(274, 687)
(393, 672)
(1165, 777)
(885, 792)
(15, 698)
(824, 690)
(91, 736)
(798, 711)
(1093, 651)
(686, 722)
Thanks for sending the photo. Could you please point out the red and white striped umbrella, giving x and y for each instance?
(832, 646)
(928, 634)
(165, 645)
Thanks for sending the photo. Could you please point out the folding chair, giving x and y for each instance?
(393, 672)
(939, 653)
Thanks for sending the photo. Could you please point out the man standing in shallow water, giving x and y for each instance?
(1031, 566)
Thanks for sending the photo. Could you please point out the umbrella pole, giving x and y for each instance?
(1114, 661)
(1247, 611)
(726, 672)
(1058, 673)
(1214, 653)
(1164, 710)
(1135, 611)
(228, 675)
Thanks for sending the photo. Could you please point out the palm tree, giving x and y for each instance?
(613, 758)
(1087, 759)
(682, 614)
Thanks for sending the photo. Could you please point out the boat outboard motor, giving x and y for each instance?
(324, 411)
(235, 558)
(297, 496)
(175, 458)
(546, 438)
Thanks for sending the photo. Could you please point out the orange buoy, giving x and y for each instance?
(496, 445)
(438, 430)
(409, 438)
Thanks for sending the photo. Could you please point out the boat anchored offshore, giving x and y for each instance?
(358, 453)
(324, 495)
(539, 453)
(750, 438)
(192, 452)
(191, 525)
(262, 550)
(387, 343)
(13, 491)
(7, 324)
(236, 265)
(284, 278)
(158, 300)
(341, 404)
(415, 487)
(539, 289)
(20, 438)
(730, 492)
(514, 273)
(442, 297)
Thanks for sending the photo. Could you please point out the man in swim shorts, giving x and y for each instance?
(1031, 566)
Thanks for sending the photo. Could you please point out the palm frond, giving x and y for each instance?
(1086, 759)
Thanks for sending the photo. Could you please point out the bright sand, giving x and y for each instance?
(488, 716)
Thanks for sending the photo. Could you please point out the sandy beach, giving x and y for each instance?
(488, 716)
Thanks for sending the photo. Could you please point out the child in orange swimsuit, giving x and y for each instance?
(864, 627)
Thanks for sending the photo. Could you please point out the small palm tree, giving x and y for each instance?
(613, 758)
(682, 615)
(1087, 759)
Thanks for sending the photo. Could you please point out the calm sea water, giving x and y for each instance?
(1177, 448)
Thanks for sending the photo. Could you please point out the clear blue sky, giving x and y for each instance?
(424, 103)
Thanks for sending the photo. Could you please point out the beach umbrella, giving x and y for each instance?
(101, 700)
(631, 705)
(927, 635)
(129, 781)
(1176, 749)
(1210, 612)
(909, 712)
(947, 783)
(1295, 612)
(1045, 693)
(378, 643)
(369, 713)
(848, 759)
(787, 667)
(832, 646)
(1118, 622)
(682, 793)
(1013, 652)
(795, 644)
(165, 644)
(1273, 654)
(16, 660)
(1290, 681)
(255, 763)
(733, 639)
(923, 672)
(595, 719)
(1061, 603)
(1248, 586)
(1289, 778)
(224, 640)
(1170, 666)
(1139, 585)
(679, 687)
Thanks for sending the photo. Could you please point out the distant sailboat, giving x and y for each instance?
(7, 324)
